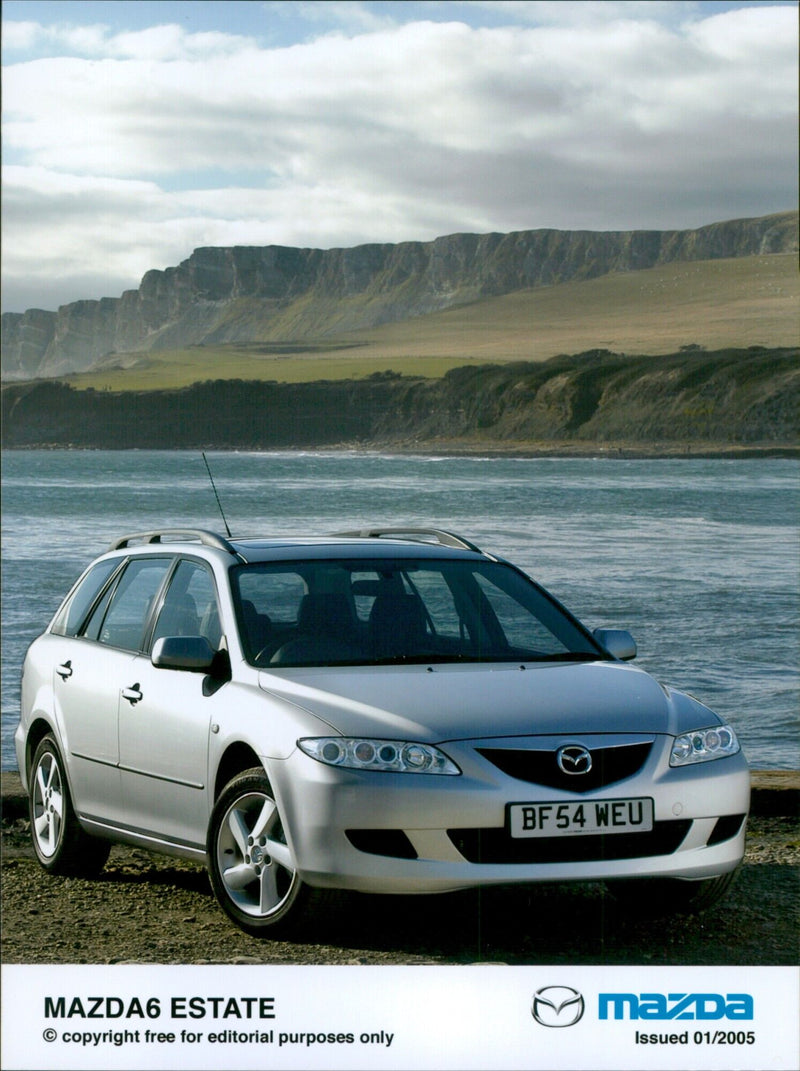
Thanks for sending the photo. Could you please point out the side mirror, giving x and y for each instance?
(193, 653)
(617, 641)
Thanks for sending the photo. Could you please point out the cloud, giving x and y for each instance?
(345, 16)
(439, 84)
(586, 12)
(21, 36)
(156, 43)
(613, 120)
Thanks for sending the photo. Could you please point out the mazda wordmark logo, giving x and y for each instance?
(557, 1005)
(574, 759)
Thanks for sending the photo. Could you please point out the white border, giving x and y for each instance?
(420, 1017)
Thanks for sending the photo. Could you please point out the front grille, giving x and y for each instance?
(609, 764)
(496, 846)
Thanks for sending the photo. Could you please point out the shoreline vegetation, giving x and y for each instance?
(728, 403)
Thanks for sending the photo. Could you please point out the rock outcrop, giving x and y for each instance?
(274, 293)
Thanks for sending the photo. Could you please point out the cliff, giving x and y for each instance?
(273, 293)
(709, 400)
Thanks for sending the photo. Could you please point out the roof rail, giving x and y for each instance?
(425, 535)
(201, 535)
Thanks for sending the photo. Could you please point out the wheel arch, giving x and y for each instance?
(236, 758)
(38, 730)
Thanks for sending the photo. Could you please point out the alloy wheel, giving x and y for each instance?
(47, 805)
(253, 861)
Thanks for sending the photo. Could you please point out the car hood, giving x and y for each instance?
(462, 702)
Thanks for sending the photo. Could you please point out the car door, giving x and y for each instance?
(90, 671)
(83, 701)
(165, 720)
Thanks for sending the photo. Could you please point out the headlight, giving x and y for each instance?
(702, 745)
(398, 756)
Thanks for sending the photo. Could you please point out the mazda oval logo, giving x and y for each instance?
(574, 759)
(557, 1005)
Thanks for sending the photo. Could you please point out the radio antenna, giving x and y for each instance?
(214, 489)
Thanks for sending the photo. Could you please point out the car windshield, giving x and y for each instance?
(384, 611)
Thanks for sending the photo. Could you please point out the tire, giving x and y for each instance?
(670, 896)
(61, 845)
(250, 865)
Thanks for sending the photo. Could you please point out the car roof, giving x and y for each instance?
(256, 550)
(362, 543)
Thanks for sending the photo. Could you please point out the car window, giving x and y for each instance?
(120, 618)
(372, 612)
(268, 605)
(190, 606)
(276, 593)
(439, 601)
(72, 614)
(520, 629)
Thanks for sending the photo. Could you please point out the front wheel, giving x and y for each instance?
(667, 896)
(250, 864)
(62, 846)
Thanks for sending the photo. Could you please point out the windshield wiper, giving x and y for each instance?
(489, 656)
(565, 656)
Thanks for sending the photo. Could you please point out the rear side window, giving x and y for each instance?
(121, 622)
(72, 614)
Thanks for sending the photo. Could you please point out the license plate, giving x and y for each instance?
(574, 819)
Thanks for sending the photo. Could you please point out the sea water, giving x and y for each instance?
(697, 558)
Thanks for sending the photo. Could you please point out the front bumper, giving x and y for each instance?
(408, 833)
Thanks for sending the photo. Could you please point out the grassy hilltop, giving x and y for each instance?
(747, 301)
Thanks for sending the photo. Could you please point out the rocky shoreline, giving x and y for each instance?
(149, 909)
(612, 451)
(469, 448)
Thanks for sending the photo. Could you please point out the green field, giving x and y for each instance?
(715, 304)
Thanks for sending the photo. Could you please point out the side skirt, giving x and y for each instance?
(138, 839)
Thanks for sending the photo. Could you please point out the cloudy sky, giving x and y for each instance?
(134, 132)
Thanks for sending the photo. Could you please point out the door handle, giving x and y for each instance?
(65, 670)
(132, 694)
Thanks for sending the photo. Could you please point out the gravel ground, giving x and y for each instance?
(150, 909)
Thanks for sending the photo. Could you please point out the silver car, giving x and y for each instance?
(388, 711)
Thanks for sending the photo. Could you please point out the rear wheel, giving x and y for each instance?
(667, 896)
(250, 864)
(62, 846)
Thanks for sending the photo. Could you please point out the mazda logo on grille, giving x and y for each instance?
(557, 1005)
(574, 759)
